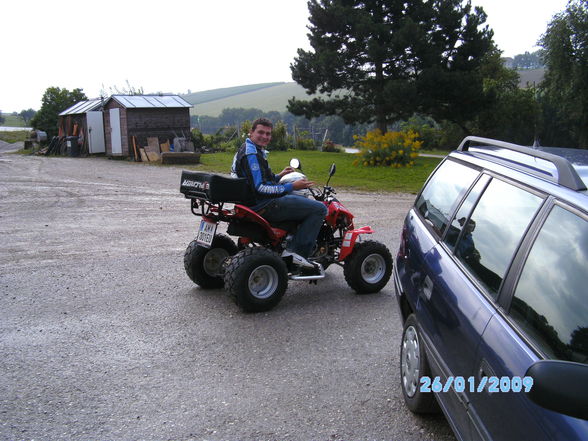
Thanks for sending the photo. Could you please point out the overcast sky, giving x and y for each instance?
(179, 45)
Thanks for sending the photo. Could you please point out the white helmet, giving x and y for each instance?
(296, 176)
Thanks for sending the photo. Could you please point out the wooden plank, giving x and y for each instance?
(164, 147)
(136, 153)
(153, 156)
(144, 157)
(152, 145)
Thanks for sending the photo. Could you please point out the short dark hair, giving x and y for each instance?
(262, 122)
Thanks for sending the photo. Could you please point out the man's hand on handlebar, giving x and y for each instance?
(286, 171)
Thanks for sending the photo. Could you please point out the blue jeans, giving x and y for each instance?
(308, 212)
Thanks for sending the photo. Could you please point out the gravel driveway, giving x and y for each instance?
(103, 336)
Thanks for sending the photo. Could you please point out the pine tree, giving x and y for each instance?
(383, 60)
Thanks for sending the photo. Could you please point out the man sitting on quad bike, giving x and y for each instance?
(255, 271)
(276, 202)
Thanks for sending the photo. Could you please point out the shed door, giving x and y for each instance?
(115, 135)
(95, 132)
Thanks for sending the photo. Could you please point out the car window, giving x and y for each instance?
(443, 192)
(494, 231)
(460, 219)
(550, 301)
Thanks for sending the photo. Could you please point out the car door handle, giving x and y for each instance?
(427, 287)
(485, 374)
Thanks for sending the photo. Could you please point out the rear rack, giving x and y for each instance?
(567, 175)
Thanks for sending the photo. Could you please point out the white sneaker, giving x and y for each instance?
(297, 259)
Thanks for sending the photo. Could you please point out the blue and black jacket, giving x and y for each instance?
(250, 163)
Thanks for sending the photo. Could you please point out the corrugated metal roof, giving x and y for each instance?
(82, 107)
(151, 101)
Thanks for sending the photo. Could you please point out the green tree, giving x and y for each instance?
(527, 61)
(27, 115)
(384, 60)
(511, 113)
(565, 88)
(280, 139)
(55, 100)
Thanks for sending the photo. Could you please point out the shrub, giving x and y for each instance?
(279, 137)
(227, 146)
(391, 149)
(330, 146)
(197, 138)
(304, 141)
(429, 131)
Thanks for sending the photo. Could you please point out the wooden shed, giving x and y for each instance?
(84, 121)
(132, 121)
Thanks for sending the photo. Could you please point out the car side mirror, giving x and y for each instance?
(561, 386)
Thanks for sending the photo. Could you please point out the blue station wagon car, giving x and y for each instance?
(491, 279)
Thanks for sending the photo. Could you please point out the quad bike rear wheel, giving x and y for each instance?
(368, 268)
(256, 278)
(204, 265)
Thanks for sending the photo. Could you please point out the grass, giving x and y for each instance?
(316, 167)
(14, 136)
(11, 120)
(437, 151)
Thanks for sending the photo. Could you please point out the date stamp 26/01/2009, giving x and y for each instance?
(473, 384)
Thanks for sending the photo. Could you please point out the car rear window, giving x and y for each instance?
(443, 192)
(492, 234)
(550, 302)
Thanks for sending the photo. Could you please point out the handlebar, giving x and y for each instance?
(321, 196)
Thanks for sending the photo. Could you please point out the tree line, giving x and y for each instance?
(318, 129)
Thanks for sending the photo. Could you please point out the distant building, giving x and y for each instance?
(110, 125)
(143, 116)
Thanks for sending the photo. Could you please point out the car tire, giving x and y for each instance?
(256, 278)
(368, 268)
(204, 266)
(413, 366)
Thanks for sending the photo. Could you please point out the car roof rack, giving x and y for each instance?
(567, 175)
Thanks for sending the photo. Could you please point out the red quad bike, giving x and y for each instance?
(252, 270)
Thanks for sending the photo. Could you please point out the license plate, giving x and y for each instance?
(206, 233)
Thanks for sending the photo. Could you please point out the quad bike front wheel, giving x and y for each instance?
(256, 278)
(368, 268)
(204, 265)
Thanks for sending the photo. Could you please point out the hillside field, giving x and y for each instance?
(266, 97)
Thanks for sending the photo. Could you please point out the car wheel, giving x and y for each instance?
(413, 366)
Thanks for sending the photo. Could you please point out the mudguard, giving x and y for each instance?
(349, 240)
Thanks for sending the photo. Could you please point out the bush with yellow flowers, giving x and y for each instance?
(391, 149)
